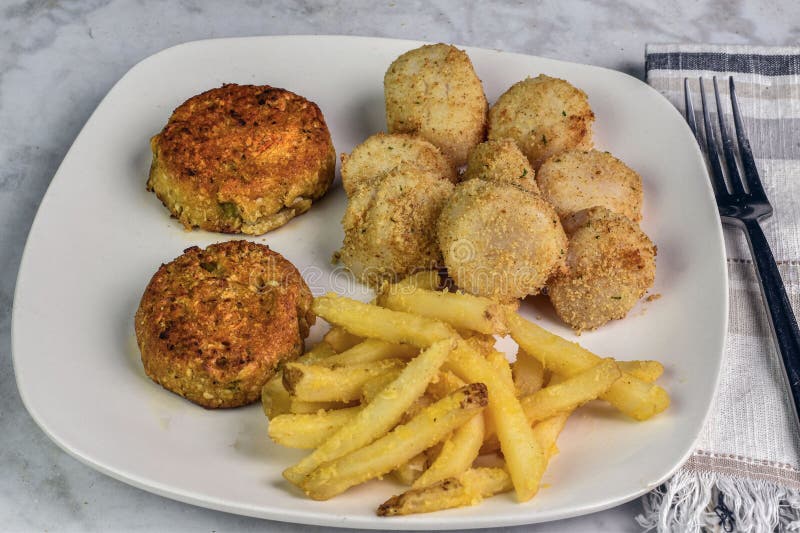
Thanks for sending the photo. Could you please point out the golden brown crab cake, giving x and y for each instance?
(544, 116)
(501, 161)
(433, 92)
(382, 152)
(214, 324)
(390, 224)
(610, 265)
(575, 180)
(242, 159)
(499, 240)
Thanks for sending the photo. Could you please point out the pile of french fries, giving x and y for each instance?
(412, 385)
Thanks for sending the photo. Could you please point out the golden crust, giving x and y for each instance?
(575, 180)
(382, 152)
(213, 324)
(610, 265)
(500, 241)
(502, 161)
(433, 92)
(242, 159)
(544, 116)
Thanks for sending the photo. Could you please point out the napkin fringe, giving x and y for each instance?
(709, 501)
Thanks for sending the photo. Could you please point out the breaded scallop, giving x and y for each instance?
(382, 152)
(390, 224)
(577, 179)
(499, 240)
(214, 324)
(544, 116)
(433, 92)
(610, 265)
(501, 161)
(242, 159)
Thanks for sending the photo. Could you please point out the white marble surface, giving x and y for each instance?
(58, 59)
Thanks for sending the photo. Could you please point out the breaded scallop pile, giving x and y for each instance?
(434, 92)
(501, 161)
(610, 265)
(390, 224)
(544, 116)
(499, 240)
(382, 152)
(214, 324)
(242, 159)
(577, 179)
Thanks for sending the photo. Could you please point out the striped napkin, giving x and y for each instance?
(744, 474)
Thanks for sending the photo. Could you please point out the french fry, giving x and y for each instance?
(409, 471)
(306, 431)
(632, 396)
(319, 352)
(380, 415)
(500, 364)
(526, 460)
(572, 392)
(457, 455)
(275, 399)
(368, 351)
(315, 383)
(301, 407)
(341, 339)
(648, 371)
(482, 342)
(375, 386)
(460, 310)
(443, 384)
(528, 374)
(398, 446)
(367, 320)
(548, 430)
(469, 488)
(427, 279)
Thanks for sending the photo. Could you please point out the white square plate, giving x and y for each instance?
(99, 236)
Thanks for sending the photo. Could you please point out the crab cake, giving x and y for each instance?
(382, 152)
(390, 224)
(576, 180)
(610, 265)
(213, 324)
(501, 161)
(499, 240)
(242, 159)
(433, 92)
(544, 116)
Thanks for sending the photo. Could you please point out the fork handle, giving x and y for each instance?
(781, 317)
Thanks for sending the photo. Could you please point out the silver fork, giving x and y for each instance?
(743, 205)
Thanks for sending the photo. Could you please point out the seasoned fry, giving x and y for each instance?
(319, 352)
(460, 310)
(398, 446)
(380, 415)
(368, 351)
(340, 339)
(300, 407)
(372, 321)
(457, 455)
(548, 430)
(632, 396)
(528, 374)
(648, 371)
(374, 386)
(469, 488)
(308, 431)
(443, 384)
(275, 400)
(409, 471)
(500, 364)
(427, 279)
(526, 460)
(572, 392)
(315, 383)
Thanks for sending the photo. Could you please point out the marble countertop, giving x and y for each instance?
(58, 59)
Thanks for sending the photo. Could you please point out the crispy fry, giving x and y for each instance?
(501, 366)
(370, 350)
(457, 455)
(409, 471)
(528, 374)
(632, 396)
(398, 446)
(460, 310)
(374, 386)
(340, 339)
(300, 407)
(380, 415)
(315, 383)
(275, 400)
(648, 371)
(319, 352)
(548, 430)
(372, 321)
(443, 384)
(308, 431)
(526, 460)
(469, 488)
(427, 279)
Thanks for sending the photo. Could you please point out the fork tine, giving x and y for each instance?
(690, 109)
(717, 177)
(748, 163)
(727, 146)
